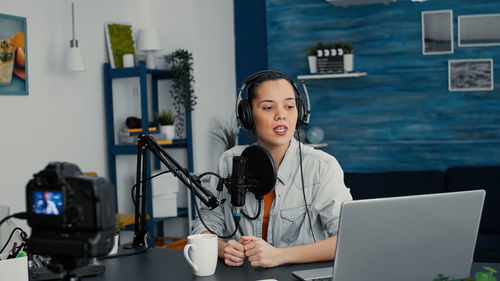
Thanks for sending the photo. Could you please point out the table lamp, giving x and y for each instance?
(148, 42)
(75, 59)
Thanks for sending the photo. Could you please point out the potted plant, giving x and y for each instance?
(180, 63)
(348, 56)
(479, 276)
(313, 56)
(118, 227)
(166, 121)
(227, 135)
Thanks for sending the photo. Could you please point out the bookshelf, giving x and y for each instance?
(115, 149)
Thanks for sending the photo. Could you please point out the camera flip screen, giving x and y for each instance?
(47, 203)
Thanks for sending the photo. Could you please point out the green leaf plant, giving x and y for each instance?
(226, 134)
(165, 118)
(479, 276)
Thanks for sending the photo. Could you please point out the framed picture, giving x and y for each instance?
(119, 40)
(479, 30)
(437, 32)
(13, 56)
(470, 75)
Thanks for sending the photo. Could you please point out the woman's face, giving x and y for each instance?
(275, 113)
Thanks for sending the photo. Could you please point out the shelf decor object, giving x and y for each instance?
(13, 56)
(327, 76)
(75, 60)
(315, 135)
(116, 149)
(347, 3)
(119, 41)
(148, 42)
(333, 58)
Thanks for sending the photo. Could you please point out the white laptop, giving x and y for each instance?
(410, 238)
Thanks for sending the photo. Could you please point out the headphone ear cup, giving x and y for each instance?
(301, 111)
(245, 115)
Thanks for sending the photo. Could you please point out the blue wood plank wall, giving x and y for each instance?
(400, 116)
(250, 45)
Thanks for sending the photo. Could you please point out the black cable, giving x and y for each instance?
(151, 177)
(210, 173)
(303, 188)
(130, 253)
(258, 212)
(22, 215)
(6, 218)
(236, 221)
(24, 236)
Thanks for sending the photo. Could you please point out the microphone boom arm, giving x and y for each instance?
(145, 143)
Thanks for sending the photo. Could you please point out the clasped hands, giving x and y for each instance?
(259, 252)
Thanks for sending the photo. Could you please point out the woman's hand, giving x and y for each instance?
(234, 253)
(261, 253)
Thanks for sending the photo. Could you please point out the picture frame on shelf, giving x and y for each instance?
(470, 75)
(437, 32)
(479, 30)
(119, 41)
(13, 55)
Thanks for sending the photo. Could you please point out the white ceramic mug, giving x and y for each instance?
(201, 253)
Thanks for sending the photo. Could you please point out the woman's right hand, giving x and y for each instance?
(234, 253)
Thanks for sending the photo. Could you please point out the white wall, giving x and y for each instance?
(62, 118)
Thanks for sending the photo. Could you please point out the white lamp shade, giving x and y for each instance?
(75, 59)
(148, 40)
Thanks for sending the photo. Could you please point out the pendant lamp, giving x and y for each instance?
(75, 59)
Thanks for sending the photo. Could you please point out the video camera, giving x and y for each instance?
(72, 215)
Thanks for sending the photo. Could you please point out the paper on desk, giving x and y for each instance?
(15, 269)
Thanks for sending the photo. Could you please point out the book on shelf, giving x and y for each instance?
(137, 131)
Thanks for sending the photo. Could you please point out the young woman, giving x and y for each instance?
(284, 232)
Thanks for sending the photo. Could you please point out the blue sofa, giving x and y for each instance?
(402, 183)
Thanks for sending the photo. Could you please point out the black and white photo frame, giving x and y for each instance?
(479, 30)
(437, 32)
(470, 75)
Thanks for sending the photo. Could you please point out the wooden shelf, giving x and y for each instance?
(328, 76)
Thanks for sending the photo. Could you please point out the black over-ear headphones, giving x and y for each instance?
(244, 110)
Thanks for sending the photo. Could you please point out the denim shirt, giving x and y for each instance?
(288, 223)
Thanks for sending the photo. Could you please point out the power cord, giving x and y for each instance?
(23, 215)
(236, 219)
(146, 247)
(303, 186)
(135, 185)
(24, 237)
(256, 216)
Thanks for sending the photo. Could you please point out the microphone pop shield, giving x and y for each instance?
(261, 167)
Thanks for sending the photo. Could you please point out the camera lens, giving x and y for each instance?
(73, 214)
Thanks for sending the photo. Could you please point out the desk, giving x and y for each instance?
(166, 264)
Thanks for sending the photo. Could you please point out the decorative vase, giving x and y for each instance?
(348, 62)
(313, 64)
(169, 131)
(114, 250)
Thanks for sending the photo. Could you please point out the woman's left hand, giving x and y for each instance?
(261, 253)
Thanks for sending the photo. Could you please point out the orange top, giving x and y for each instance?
(268, 201)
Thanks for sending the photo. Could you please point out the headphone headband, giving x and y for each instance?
(243, 108)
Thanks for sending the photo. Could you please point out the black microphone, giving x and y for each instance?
(238, 184)
(254, 171)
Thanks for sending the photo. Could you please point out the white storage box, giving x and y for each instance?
(164, 184)
(165, 205)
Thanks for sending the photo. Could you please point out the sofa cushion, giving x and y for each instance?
(487, 178)
(391, 184)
